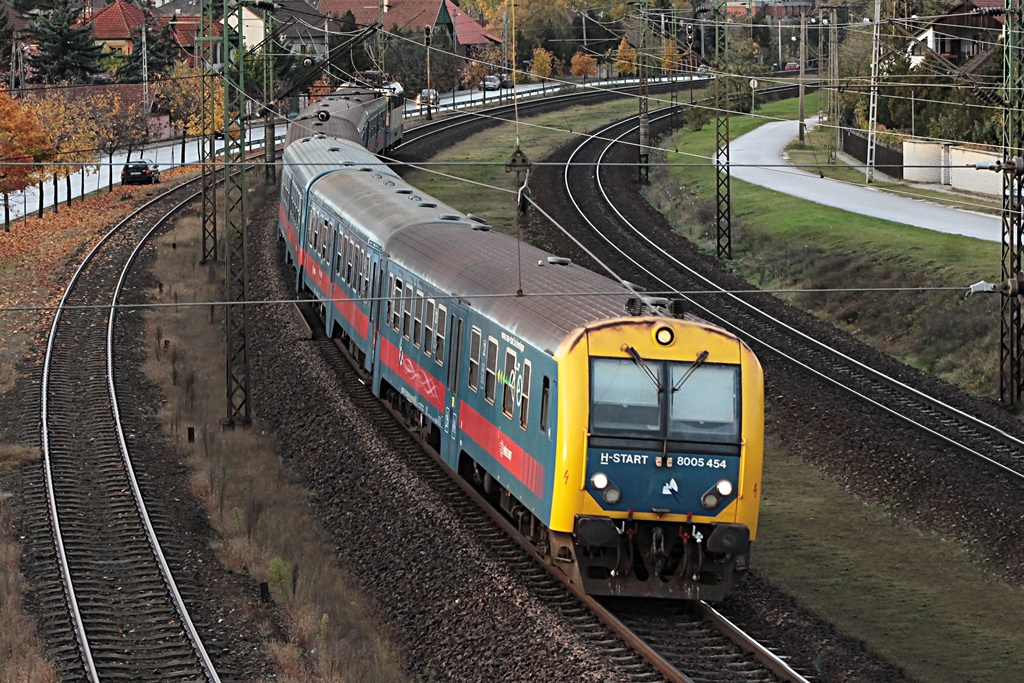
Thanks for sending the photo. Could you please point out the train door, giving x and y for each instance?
(376, 306)
(456, 332)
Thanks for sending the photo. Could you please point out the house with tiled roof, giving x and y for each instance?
(14, 20)
(112, 26)
(304, 29)
(413, 15)
(963, 35)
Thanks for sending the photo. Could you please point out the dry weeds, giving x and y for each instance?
(265, 527)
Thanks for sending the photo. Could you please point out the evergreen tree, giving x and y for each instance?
(161, 53)
(66, 53)
(6, 39)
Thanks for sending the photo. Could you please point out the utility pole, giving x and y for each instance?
(236, 282)
(803, 65)
(833, 77)
(644, 160)
(426, 41)
(205, 56)
(145, 70)
(722, 171)
(873, 106)
(1011, 328)
(269, 105)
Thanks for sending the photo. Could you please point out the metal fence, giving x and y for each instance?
(887, 160)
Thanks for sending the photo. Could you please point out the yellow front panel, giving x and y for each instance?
(609, 339)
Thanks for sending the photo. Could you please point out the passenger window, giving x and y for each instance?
(439, 345)
(397, 295)
(391, 303)
(474, 359)
(428, 331)
(366, 273)
(491, 378)
(339, 258)
(327, 240)
(417, 322)
(350, 248)
(545, 397)
(508, 402)
(407, 314)
(524, 397)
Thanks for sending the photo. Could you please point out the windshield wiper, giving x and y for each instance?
(701, 357)
(643, 366)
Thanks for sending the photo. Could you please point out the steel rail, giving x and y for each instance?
(871, 372)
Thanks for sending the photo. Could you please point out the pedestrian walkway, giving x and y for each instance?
(757, 158)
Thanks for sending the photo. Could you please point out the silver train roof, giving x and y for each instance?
(458, 252)
(311, 157)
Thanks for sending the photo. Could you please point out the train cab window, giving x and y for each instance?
(428, 328)
(524, 396)
(439, 339)
(407, 312)
(508, 390)
(474, 359)
(417, 320)
(624, 398)
(545, 400)
(706, 405)
(491, 375)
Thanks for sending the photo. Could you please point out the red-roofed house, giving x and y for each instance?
(413, 15)
(113, 25)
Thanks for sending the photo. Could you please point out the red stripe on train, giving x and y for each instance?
(518, 462)
(421, 381)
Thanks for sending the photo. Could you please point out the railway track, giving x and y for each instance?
(671, 639)
(645, 641)
(125, 615)
(652, 264)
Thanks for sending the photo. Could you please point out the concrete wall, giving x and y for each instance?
(946, 164)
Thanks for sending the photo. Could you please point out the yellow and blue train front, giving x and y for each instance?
(661, 425)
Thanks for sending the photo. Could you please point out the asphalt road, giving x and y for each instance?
(756, 158)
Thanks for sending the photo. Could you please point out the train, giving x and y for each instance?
(368, 109)
(621, 435)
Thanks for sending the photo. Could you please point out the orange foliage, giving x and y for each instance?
(320, 88)
(34, 256)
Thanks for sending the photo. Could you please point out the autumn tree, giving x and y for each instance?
(119, 125)
(65, 51)
(583, 65)
(180, 93)
(541, 65)
(625, 58)
(23, 140)
(671, 58)
(319, 89)
(73, 143)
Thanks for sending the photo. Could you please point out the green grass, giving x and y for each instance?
(917, 599)
(783, 243)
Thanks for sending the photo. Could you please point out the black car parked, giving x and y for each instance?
(143, 172)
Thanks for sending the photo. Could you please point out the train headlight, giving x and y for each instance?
(664, 335)
(612, 495)
(713, 497)
(600, 481)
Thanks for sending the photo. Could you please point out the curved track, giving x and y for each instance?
(673, 639)
(127, 615)
(657, 268)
